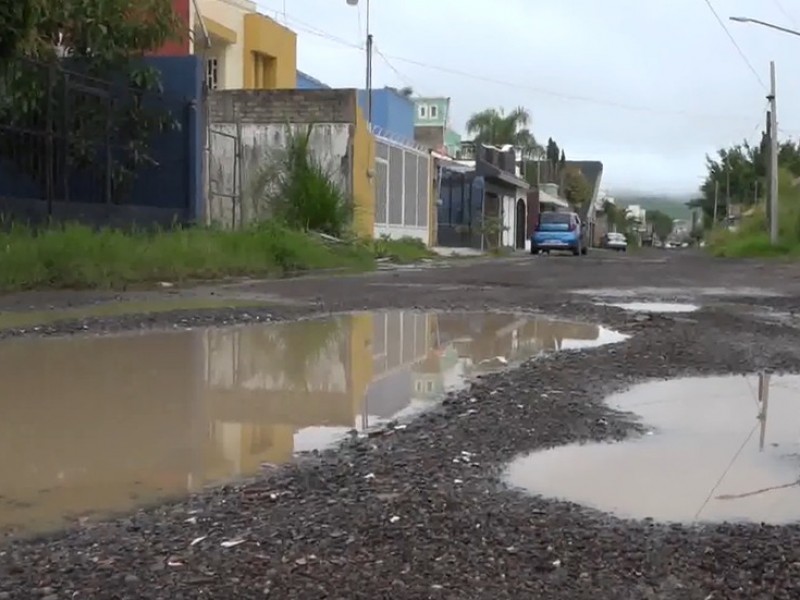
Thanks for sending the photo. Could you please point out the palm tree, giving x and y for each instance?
(494, 127)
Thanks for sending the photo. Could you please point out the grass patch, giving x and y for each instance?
(752, 239)
(403, 251)
(78, 257)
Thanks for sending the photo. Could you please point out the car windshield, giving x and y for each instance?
(554, 218)
(616, 236)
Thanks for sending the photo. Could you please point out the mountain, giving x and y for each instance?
(674, 206)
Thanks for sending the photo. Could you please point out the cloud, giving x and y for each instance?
(580, 67)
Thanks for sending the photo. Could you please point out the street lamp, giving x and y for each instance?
(369, 62)
(757, 22)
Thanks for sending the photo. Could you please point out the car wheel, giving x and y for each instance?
(576, 251)
(585, 250)
(534, 252)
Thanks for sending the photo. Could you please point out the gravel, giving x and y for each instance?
(420, 511)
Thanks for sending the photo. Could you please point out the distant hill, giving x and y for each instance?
(674, 206)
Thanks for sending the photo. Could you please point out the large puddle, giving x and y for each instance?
(722, 449)
(656, 307)
(96, 425)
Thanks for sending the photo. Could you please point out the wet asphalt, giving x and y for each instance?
(422, 511)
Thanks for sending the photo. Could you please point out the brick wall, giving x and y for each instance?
(282, 106)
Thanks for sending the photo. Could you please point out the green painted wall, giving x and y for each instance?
(431, 112)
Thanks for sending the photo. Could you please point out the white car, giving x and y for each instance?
(615, 241)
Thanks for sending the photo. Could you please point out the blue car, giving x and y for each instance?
(559, 231)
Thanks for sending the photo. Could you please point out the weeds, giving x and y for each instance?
(752, 237)
(295, 188)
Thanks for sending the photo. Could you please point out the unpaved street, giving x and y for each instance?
(423, 509)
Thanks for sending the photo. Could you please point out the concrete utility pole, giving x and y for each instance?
(728, 191)
(716, 203)
(773, 157)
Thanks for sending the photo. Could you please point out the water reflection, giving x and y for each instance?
(108, 423)
(723, 449)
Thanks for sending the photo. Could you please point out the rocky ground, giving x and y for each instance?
(420, 512)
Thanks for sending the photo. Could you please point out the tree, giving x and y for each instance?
(576, 188)
(740, 173)
(494, 127)
(103, 39)
(661, 222)
(18, 20)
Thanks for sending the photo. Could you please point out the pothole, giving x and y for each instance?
(721, 449)
(672, 292)
(98, 425)
(656, 307)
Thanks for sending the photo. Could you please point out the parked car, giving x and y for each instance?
(560, 231)
(615, 241)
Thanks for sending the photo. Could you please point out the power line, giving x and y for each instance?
(405, 80)
(310, 29)
(735, 44)
(791, 19)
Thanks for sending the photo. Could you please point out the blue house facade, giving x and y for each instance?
(307, 82)
(392, 113)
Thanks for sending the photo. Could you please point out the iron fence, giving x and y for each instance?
(73, 146)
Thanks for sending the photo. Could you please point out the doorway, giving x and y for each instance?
(520, 223)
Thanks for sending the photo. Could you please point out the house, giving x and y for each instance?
(242, 48)
(392, 113)
(482, 204)
(432, 125)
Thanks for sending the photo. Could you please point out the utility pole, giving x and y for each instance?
(716, 203)
(773, 157)
(728, 190)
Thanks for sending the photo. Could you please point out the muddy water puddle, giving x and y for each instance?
(720, 449)
(98, 425)
(656, 307)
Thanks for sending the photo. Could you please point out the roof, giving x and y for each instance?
(491, 171)
(545, 198)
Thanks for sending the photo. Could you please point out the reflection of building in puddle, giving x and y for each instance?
(301, 386)
(480, 341)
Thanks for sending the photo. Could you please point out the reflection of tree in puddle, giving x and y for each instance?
(292, 352)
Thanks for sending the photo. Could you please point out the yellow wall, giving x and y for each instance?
(270, 54)
(363, 184)
(360, 364)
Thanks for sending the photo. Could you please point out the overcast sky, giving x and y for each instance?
(646, 86)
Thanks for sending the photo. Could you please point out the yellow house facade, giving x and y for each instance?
(243, 49)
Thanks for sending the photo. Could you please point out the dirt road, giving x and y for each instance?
(423, 511)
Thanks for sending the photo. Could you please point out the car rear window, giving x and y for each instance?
(555, 218)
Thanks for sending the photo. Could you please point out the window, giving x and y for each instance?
(212, 73)
(423, 111)
(434, 112)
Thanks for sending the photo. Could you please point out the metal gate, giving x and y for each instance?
(224, 173)
(402, 190)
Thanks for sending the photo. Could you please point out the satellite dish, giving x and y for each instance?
(352, 2)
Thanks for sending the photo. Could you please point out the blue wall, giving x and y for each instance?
(177, 180)
(307, 82)
(391, 111)
(169, 189)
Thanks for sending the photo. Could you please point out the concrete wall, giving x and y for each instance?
(340, 139)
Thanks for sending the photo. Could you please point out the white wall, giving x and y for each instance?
(509, 221)
(262, 147)
(230, 13)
